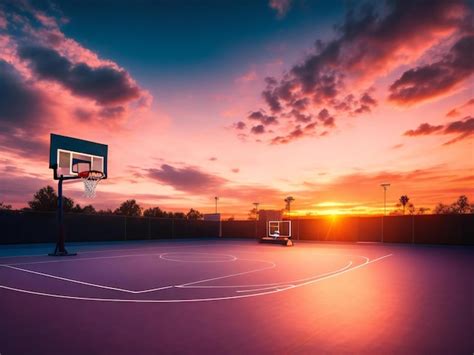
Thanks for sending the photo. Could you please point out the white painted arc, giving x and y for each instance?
(192, 299)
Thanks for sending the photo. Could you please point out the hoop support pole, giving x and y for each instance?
(60, 249)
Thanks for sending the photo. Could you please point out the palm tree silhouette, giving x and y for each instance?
(403, 201)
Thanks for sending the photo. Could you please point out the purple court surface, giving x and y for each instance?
(237, 296)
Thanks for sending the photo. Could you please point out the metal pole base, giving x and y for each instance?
(62, 253)
(59, 252)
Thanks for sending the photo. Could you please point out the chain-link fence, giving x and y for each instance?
(38, 227)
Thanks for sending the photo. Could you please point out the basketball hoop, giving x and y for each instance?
(91, 179)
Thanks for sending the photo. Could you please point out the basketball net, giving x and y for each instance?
(91, 179)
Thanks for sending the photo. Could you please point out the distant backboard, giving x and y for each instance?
(279, 229)
(70, 156)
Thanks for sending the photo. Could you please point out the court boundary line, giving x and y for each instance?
(95, 299)
(85, 283)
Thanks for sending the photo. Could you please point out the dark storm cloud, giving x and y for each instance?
(20, 103)
(22, 111)
(435, 79)
(105, 85)
(188, 179)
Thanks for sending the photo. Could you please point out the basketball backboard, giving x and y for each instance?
(70, 156)
(279, 229)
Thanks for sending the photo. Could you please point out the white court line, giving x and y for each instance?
(75, 281)
(73, 259)
(295, 281)
(217, 255)
(272, 265)
(11, 266)
(281, 288)
(259, 285)
(110, 250)
(80, 259)
(185, 300)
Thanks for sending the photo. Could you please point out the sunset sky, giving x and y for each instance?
(245, 100)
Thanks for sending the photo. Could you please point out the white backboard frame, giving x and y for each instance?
(277, 224)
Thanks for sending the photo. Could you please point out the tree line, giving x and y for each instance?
(460, 206)
(46, 199)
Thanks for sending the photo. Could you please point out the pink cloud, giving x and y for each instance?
(368, 44)
(436, 79)
(463, 129)
(3, 21)
(247, 77)
(457, 111)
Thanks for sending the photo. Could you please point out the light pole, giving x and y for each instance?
(217, 199)
(256, 218)
(288, 201)
(385, 186)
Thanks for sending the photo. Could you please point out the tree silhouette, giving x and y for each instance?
(194, 214)
(46, 199)
(155, 212)
(462, 205)
(253, 214)
(441, 208)
(423, 210)
(105, 212)
(88, 209)
(129, 208)
(178, 215)
(403, 201)
(4, 207)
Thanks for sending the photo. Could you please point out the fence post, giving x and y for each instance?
(298, 229)
(172, 228)
(149, 228)
(382, 226)
(125, 228)
(413, 229)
